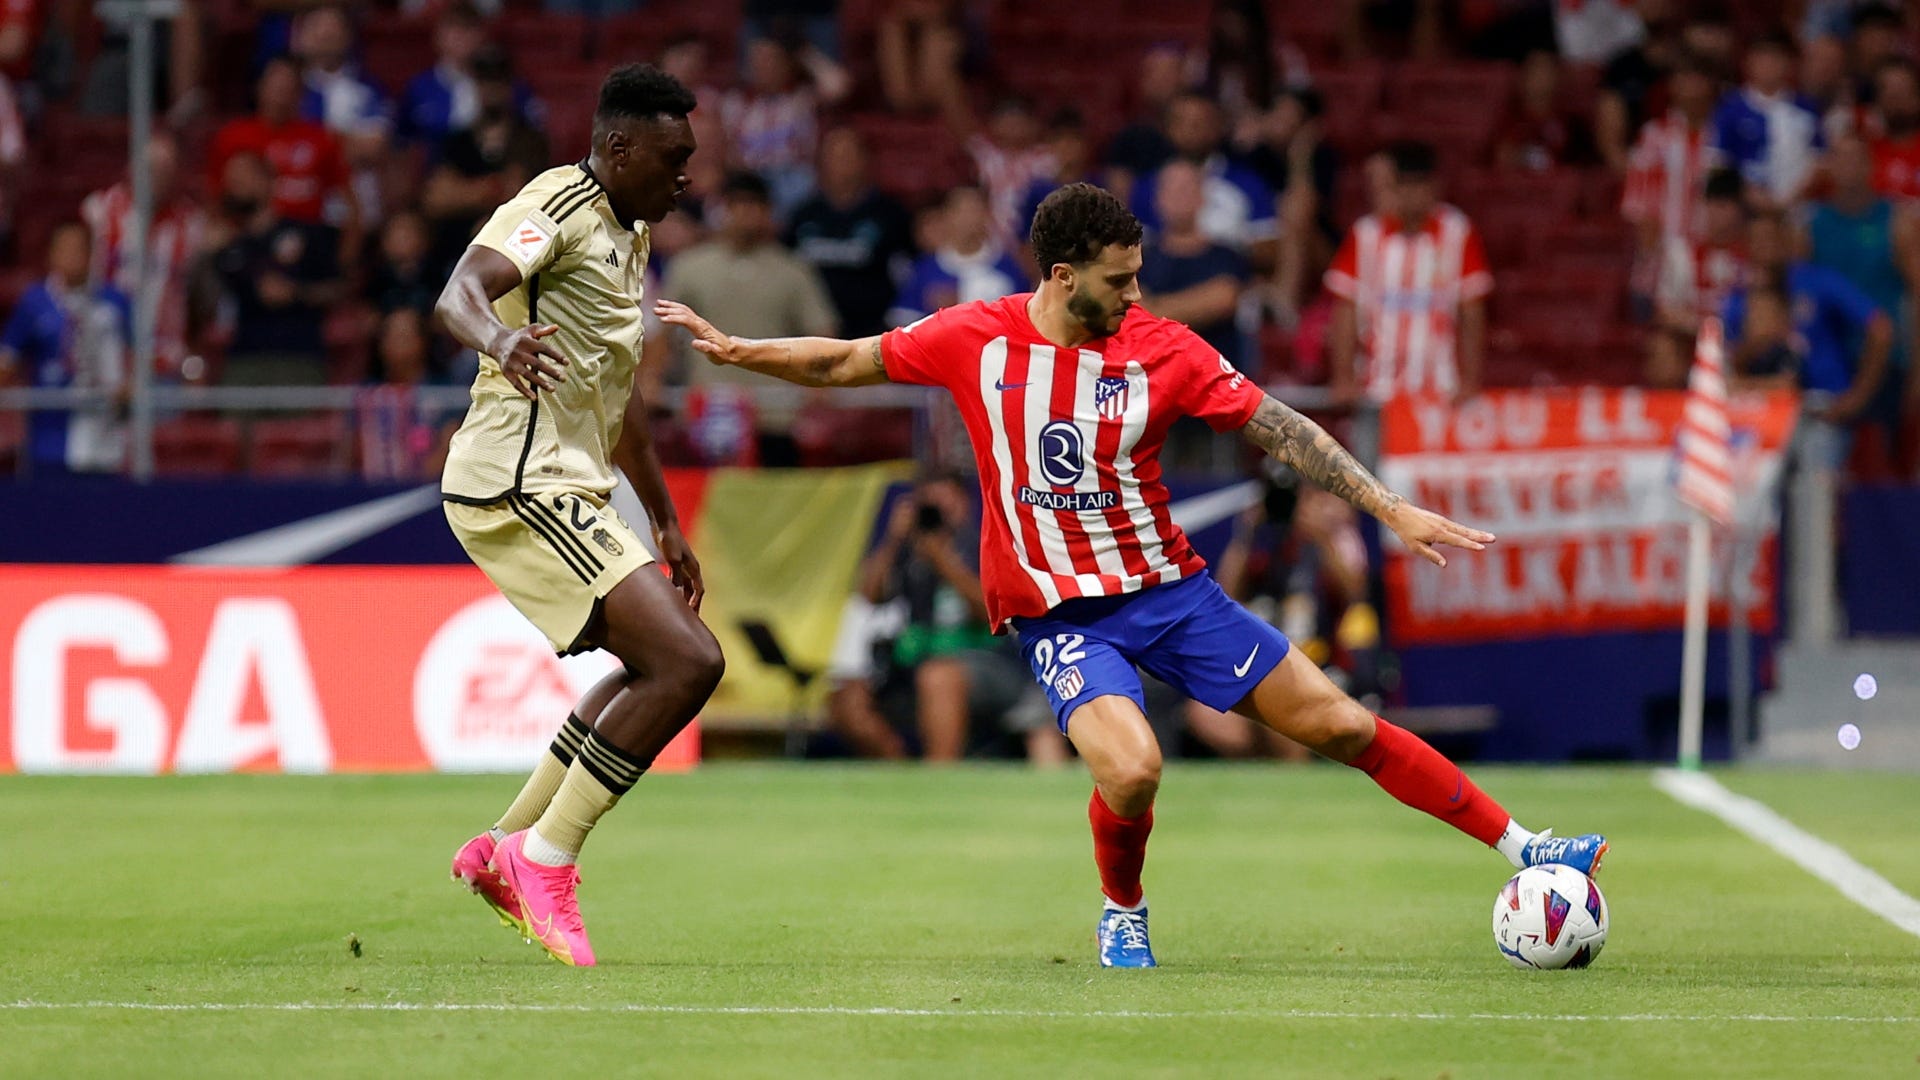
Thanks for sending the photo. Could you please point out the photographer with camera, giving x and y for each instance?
(1297, 560)
(945, 657)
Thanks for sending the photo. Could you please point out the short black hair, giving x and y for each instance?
(1897, 63)
(1725, 184)
(641, 91)
(746, 184)
(1775, 40)
(1412, 160)
(1077, 222)
(1312, 104)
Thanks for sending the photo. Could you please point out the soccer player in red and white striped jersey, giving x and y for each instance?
(1067, 393)
(1411, 287)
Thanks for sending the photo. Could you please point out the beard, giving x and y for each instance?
(1093, 317)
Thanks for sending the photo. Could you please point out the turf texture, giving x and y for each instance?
(867, 921)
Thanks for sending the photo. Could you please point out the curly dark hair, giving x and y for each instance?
(1077, 222)
(639, 91)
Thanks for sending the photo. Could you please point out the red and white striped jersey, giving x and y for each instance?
(171, 244)
(1697, 277)
(1667, 175)
(1067, 442)
(1407, 288)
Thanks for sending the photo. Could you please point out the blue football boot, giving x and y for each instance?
(1583, 853)
(1123, 939)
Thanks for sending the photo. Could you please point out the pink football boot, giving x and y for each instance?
(549, 910)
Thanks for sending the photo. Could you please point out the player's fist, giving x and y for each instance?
(718, 346)
(1421, 530)
(529, 361)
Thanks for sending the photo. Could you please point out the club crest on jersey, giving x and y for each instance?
(1110, 397)
(607, 543)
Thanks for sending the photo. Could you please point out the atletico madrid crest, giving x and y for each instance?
(1110, 397)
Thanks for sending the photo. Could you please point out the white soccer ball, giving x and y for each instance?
(1550, 917)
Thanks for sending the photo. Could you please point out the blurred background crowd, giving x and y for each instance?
(1352, 199)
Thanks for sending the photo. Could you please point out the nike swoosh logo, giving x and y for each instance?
(1458, 787)
(998, 385)
(1240, 672)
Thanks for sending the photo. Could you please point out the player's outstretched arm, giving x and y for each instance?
(809, 361)
(1319, 457)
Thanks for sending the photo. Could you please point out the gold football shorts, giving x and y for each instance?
(554, 554)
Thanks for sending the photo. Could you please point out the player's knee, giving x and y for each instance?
(1340, 729)
(1133, 780)
(701, 670)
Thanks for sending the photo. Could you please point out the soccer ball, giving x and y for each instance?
(1550, 917)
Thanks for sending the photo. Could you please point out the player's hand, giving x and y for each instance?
(679, 559)
(529, 361)
(717, 346)
(1421, 530)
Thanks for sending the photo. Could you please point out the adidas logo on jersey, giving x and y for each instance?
(613, 259)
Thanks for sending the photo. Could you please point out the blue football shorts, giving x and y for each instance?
(1188, 634)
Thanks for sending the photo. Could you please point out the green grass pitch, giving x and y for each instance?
(747, 916)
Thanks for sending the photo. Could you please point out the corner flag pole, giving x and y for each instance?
(1693, 655)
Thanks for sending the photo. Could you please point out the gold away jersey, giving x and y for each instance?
(581, 271)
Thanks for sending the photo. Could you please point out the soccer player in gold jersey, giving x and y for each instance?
(550, 295)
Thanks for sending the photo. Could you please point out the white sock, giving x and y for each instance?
(497, 833)
(1513, 843)
(1135, 909)
(546, 853)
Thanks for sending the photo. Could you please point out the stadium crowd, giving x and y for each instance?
(1331, 191)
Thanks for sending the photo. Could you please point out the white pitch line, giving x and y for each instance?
(846, 1010)
(1823, 860)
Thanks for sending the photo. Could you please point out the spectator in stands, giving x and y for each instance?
(1825, 82)
(1896, 143)
(67, 333)
(1768, 130)
(1666, 175)
(1072, 153)
(1185, 274)
(1878, 35)
(276, 275)
(175, 236)
(1862, 236)
(773, 123)
(816, 23)
(966, 264)
(1238, 208)
(1698, 273)
(1288, 150)
(443, 99)
(686, 56)
(20, 22)
(928, 558)
(1142, 146)
(1826, 315)
(404, 276)
(1418, 330)
(1008, 155)
(341, 99)
(921, 47)
(311, 180)
(746, 283)
(1540, 134)
(483, 164)
(1240, 71)
(397, 436)
(858, 237)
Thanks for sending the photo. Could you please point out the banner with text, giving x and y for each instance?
(1578, 486)
(146, 670)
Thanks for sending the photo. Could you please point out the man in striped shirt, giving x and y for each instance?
(1411, 287)
(1067, 393)
(1667, 172)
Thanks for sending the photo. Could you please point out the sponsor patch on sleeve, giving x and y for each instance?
(528, 239)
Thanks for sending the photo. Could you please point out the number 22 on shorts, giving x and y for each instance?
(1068, 651)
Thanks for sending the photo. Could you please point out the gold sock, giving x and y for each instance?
(594, 782)
(538, 791)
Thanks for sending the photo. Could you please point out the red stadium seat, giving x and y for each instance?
(1600, 245)
(394, 48)
(196, 446)
(301, 446)
(1352, 96)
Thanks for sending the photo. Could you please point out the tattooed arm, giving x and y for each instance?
(1318, 456)
(809, 361)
